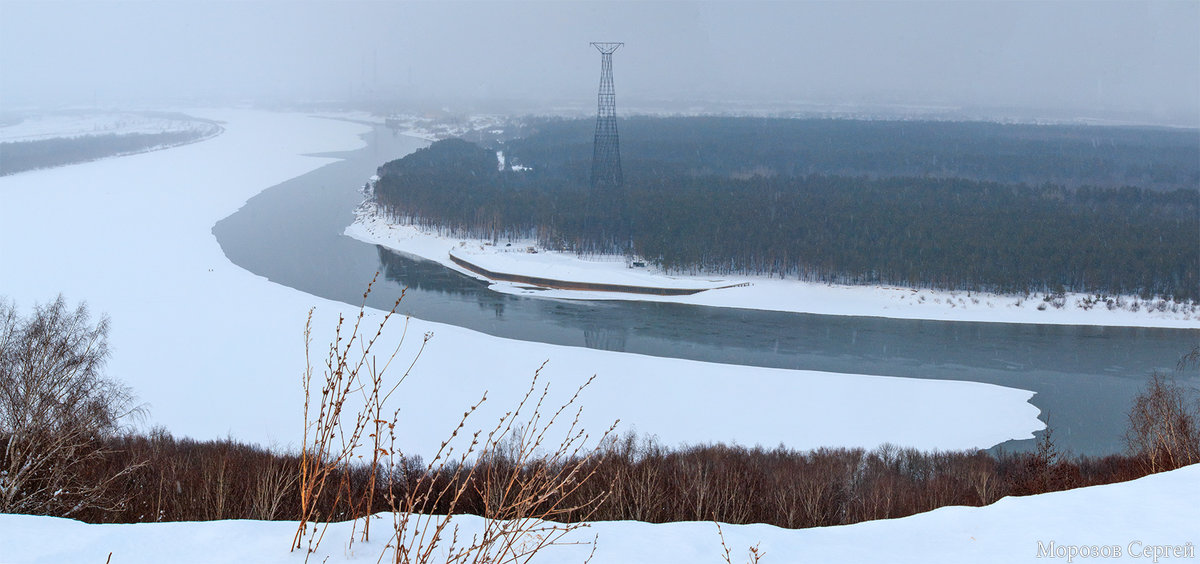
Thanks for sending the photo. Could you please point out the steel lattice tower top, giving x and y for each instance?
(606, 152)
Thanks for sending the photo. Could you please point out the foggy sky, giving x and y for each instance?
(1140, 59)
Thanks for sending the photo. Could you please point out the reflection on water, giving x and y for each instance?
(1084, 376)
(428, 276)
(605, 338)
(425, 276)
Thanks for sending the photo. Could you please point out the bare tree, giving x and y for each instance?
(1189, 360)
(56, 409)
(1162, 431)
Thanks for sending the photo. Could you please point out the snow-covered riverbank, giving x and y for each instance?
(514, 257)
(1142, 519)
(33, 141)
(73, 125)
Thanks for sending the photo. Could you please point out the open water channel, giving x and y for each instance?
(1084, 376)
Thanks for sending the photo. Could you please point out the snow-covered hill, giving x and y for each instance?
(1152, 519)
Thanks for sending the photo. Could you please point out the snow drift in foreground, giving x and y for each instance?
(763, 293)
(1136, 520)
(216, 351)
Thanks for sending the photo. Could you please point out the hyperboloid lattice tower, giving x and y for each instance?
(606, 153)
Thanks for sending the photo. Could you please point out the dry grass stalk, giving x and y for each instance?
(753, 553)
(334, 434)
(524, 488)
(373, 400)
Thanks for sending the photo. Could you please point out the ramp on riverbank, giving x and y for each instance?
(580, 285)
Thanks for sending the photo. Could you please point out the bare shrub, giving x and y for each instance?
(272, 485)
(753, 554)
(774, 485)
(336, 423)
(56, 410)
(648, 482)
(1162, 430)
(532, 493)
(983, 480)
(643, 488)
(189, 480)
(1190, 360)
(513, 477)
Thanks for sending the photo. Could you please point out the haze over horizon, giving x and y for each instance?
(1137, 61)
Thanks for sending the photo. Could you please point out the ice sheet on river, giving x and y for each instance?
(217, 351)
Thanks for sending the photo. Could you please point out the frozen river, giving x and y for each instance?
(1084, 376)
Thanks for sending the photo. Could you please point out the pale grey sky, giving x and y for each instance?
(1138, 58)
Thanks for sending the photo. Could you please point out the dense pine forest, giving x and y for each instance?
(971, 206)
(1070, 156)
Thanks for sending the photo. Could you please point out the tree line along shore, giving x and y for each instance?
(974, 206)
